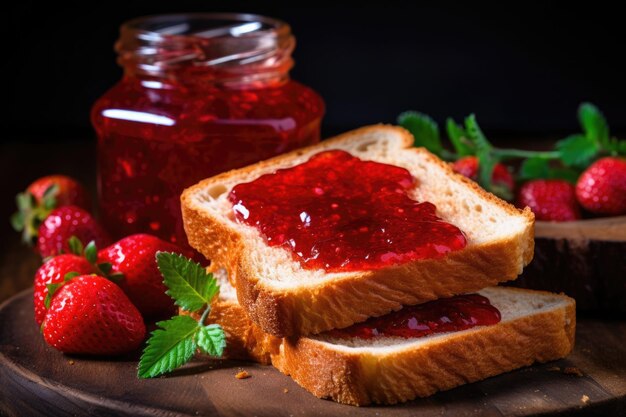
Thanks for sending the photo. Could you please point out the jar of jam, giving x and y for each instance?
(201, 94)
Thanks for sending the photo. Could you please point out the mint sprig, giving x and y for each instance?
(176, 340)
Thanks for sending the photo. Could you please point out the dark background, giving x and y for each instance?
(523, 68)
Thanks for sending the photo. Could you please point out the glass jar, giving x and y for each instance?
(201, 94)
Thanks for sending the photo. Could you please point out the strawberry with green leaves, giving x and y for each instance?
(81, 261)
(134, 257)
(90, 315)
(176, 340)
(63, 223)
(41, 197)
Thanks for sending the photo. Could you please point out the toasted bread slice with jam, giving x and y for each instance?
(285, 299)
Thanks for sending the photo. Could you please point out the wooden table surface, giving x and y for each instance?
(105, 387)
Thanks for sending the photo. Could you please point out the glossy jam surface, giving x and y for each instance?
(339, 213)
(157, 137)
(440, 316)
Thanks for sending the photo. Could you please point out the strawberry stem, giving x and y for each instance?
(205, 314)
(519, 153)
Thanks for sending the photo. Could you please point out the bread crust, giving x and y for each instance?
(317, 307)
(365, 378)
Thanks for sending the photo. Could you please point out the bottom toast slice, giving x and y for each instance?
(535, 326)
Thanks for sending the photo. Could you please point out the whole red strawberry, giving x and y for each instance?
(135, 257)
(53, 272)
(43, 196)
(468, 167)
(65, 222)
(552, 200)
(601, 188)
(91, 315)
(64, 190)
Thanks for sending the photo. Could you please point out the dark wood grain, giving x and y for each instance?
(37, 380)
(584, 259)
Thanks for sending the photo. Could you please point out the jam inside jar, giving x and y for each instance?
(201, 94)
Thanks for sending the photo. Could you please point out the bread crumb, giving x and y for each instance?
(242, 375)
(554, 369)
(71, 362)
(285, 390)
(572, 370)
(584, 399)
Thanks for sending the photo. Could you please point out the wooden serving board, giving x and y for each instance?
(37, 380)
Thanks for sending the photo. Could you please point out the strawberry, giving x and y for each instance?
(468, 167)
(53, 272)
(65, 222)
(43, 196)
(601, 188)
(92, 315)
(135, 257)
(553, 200)
(64, 190)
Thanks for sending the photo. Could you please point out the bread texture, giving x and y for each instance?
(284, 299)
(536, 326)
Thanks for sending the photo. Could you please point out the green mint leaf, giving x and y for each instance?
(52, 289)
(486, 159)
(424, 130)
(76, 246)
(458, 137)
(17, 221)
(91, 252)
(212, 339)
(615, 147)
(534, 168)
(568, 174)
(188, 283)
(593, 123)
(169, 347)
(578, 150)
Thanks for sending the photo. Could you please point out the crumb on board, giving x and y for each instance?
(584, 399)
(554, 369)
(285, 390)
(71, 362)
(242, 375)
(572, 370)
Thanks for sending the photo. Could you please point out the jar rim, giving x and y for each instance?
(231, 45)
(139, 25)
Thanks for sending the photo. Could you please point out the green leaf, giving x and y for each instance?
(459, 138)
(17, 221)
(424, 130)
(486, 160)
(578, 150)
(593, 123)
(211, 339)
(534, 168)
(49, 197)
(169, 347)
(25, 201)
(52, 289)
(105, 267)
(91, 252)
(188, 283)
(76, 246)
(67, 277)
(116, 277)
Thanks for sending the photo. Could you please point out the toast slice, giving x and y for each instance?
(536, 326)
(284, 299)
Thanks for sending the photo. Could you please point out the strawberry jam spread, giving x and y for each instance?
(440, 316)
(339, 213)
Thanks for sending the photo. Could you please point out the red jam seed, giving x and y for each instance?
(440, 316)
(339, 213)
